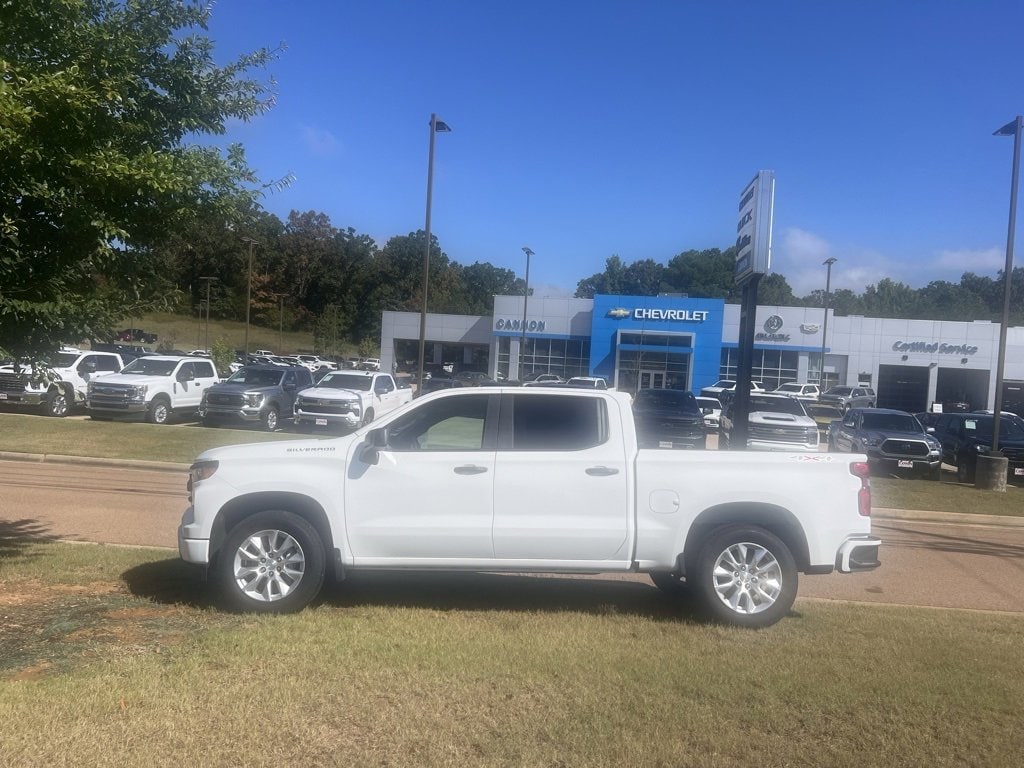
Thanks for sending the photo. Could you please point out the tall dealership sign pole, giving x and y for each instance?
(753, 259)
(436, 126)
(824, 326)
(526, 295)
(248, 294)
(991, 473)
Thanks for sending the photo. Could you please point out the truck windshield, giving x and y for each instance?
(781, 404)
(347, 381)
(891, 422)
(147, 366)
(256, 377)
(63, 360)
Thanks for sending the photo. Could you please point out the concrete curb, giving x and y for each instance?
(878, 513)
(56, 458)
(951, 518)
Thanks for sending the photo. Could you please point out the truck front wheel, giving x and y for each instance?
(746, 576)
(159, 410)
(272, 562)
(56, 403)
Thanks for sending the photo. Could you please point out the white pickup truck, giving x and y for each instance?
(525, 479)
(349, 399)
(70, 372)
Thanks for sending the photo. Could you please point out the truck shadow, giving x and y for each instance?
(943, 542)
(172, 581)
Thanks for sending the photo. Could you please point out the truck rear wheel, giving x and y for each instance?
(745, 576)
(271, 562)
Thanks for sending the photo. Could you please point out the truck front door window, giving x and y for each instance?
(451, 424)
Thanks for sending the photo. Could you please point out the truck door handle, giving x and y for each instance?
(470, 469)
(602, 471)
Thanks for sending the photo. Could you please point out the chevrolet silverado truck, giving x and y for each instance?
(349, 399)
(60, 383)
(524, 480)
(154, 388)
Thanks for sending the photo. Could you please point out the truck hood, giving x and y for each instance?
(332, 393)
(243, 388)
(132, 380)
(771, 418)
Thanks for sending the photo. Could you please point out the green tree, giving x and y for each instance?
(479, 283)
(97, 98)
(610, 281)
(707, 274)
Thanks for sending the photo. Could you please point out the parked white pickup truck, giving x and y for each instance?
(525, 479)
(70, 372)
(349, 399)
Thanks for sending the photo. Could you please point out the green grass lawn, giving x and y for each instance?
(112, 657)
(122, 440)
(185, 333)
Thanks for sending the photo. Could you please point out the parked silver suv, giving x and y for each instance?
(844, 398)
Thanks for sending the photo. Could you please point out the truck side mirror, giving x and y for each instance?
(376, 441)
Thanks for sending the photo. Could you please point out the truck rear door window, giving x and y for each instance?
(558, 423)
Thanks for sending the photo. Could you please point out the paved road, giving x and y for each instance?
(924, 563)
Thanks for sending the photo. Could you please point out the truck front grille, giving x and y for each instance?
(313, 405)
(13, 382)
(222, 398)
(896, 447)
(778, 432)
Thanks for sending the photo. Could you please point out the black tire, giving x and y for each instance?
(763, 586)
(367, 417)
(288, 537)
(670, 583)
(270, 419)
(56, 403)
(964, 473)
(159, 411)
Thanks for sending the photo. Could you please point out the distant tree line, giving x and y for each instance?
(709, 274)
(309, 274)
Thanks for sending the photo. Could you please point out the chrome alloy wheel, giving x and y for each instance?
(269, 565)
(747, 578)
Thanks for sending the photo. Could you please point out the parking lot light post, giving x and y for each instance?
(824, 327)
(991, 469)
(436, 126)
(208, 281)
(526, 296)
(280, 321)
(248, 293)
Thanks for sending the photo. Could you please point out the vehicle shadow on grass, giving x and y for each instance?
(944, 542)
(173, 581)
(17, 535)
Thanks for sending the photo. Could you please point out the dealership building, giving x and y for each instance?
(683, 343)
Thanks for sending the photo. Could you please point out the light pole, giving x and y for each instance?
(280, 321)
(824, 327)
(526, 295)
(436, 126)
(1014, 129)
(208, 281)
(248, 294)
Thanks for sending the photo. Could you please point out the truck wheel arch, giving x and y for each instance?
(239, 508)
(777, 520)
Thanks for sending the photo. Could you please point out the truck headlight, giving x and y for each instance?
(89, 388)
(200, 470)
(139, 391)
(253, 399)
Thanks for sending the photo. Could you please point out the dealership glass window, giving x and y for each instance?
(564, 357)
(504, 345)
(771, 367)
(634, 367)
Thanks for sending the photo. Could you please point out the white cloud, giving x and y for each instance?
(982, 261)
(320, 141)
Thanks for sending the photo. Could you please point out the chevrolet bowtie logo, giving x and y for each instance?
(619, 313)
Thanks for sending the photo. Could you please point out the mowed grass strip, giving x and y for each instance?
(182, 442)
(945, 496)
(436, 670)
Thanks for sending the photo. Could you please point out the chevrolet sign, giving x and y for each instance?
(642, 313)
(619, 313)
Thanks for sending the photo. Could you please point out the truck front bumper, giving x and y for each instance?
(227, 413)
(858, 554)
(350, 420)
(190, 548)
(24, 397)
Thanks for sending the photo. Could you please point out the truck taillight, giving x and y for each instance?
(862, 470)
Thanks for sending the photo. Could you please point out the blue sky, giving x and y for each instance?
(586, 129)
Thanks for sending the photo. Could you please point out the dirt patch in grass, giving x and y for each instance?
(47, 629)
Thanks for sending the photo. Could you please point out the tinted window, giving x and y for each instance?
(204, 370)
(148, 366)
(106, 363)
(451, 424)
(891, 422)
(347, 381)
(256, 377)
(665, 398)
(779, 404)
(556, 423)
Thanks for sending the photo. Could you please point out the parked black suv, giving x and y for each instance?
(668, 418)
(894, 441)
(965, 435)
(255, 393)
